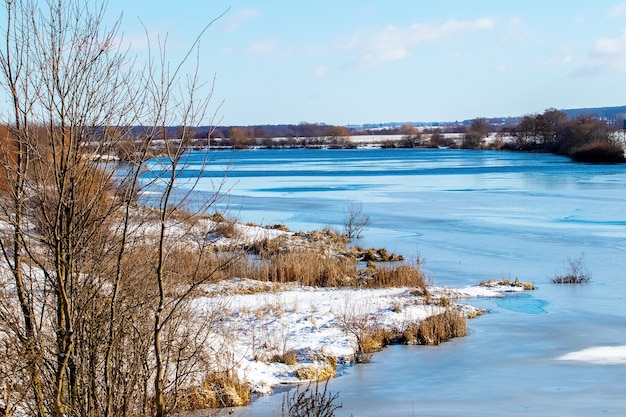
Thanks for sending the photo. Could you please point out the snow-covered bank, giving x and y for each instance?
(264, 321)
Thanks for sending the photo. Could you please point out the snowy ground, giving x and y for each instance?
(264, 321)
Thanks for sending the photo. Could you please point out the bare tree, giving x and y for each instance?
(17, 65)
(476, 134)
(73, 313)
(355, 221)
(410, 135)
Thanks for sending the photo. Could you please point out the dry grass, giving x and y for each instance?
(437, 329)
(220, 389)
(288, 358)
(266, 247)
(188, 266)
(375, 340)
(398, 276)
(319, 372)
(226, 229)
(307, 267)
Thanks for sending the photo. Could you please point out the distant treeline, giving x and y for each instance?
(584, 137)
(302, 130)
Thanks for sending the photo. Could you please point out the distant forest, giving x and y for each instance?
(586, 135)
(614, 116)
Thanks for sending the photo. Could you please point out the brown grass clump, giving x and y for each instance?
(220, 389)
(374, 341)
(320, 372)
(307, 267)
(187, 265)
(288, 358)
(398, 276)
(437, 329)
(227, 390)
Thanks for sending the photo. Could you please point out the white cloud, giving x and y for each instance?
(611, 46)
(262, 46)
(320, 71)
(393, 43)
(607, 57)
(617, 11)
(563, 58)
(240, 18)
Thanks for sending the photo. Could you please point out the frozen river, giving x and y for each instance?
(472, 215)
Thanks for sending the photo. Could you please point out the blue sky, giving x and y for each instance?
(358, 61)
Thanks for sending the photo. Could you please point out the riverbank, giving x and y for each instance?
(270, 334)
(265, 323)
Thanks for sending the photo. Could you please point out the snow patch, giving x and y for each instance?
(600, 355)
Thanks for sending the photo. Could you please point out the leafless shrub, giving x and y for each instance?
(102, 323)
(354, 219)
(576, 272)
(310, 402)
(368, 338)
